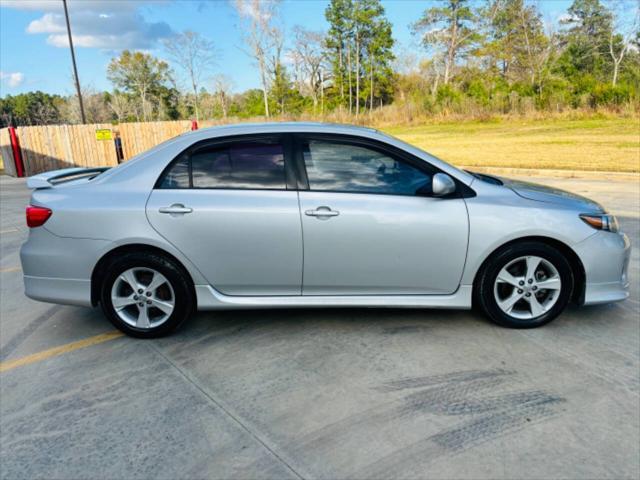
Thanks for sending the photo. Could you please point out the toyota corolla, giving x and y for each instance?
(311, 215)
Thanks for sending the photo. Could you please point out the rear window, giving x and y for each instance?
(242, 165)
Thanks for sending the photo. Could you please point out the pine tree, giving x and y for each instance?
(360, 49)
(338, 14)
(452, 29)
(589, 28)
(517, 41)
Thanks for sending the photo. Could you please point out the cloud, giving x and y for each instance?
(102, 24)
(47, 24)
(32, 4)
(254, 10)
(12, 79)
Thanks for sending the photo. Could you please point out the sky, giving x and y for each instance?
(34, 52)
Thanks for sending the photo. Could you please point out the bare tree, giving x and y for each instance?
(432, 70)
(45, 113)
(94, 108)
(309, 49)
(120, 105)
(539, 45)
(195, 55)
(349, 77)
(274, 57)
(624, 28)
(358, 39)
(222, 87)
(297, 74)
(262, 36)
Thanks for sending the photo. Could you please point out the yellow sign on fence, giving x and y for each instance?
(103, 134)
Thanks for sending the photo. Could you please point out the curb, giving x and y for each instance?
(540, 172)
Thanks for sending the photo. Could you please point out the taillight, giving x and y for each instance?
(37, 216)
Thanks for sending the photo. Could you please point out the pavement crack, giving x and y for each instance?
(204, 391)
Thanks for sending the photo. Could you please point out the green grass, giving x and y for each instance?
(611, 145)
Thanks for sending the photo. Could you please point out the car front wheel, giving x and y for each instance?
(146, 295)
(525, 285)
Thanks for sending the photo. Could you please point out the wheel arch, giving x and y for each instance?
(97, 275)
(577, 267)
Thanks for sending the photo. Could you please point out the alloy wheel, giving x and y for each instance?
(142, 297)
(527, 287)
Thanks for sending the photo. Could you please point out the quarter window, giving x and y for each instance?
(342, 167)
(178, 174)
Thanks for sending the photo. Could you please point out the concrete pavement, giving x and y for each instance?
(346, 393)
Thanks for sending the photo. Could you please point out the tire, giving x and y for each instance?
(162, 300)
(541, 296)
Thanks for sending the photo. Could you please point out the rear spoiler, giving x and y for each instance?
(50, 179)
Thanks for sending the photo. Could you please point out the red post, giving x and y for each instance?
(194, 124)
(17, 154)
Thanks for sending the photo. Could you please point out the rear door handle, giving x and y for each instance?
(176, 209)
(322, 212)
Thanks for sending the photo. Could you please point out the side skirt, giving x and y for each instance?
(211, 299)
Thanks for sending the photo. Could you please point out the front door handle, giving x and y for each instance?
(322, 212)
(176, 209)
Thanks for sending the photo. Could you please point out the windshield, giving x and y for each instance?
(437, 162)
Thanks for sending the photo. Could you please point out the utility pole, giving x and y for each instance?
(73, 60)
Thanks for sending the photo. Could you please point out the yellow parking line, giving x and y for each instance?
(10, 269)
(54, 352)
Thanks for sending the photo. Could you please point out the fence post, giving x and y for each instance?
(17, 153)
(118, 144)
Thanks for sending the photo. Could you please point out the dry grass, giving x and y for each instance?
(605, 144)
(571, 140)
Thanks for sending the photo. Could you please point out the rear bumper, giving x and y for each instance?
(58, 290)
(57, 269)
(605, 257)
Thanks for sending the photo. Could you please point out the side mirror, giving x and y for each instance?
(443, 185)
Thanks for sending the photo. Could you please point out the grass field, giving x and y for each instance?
(611, 145)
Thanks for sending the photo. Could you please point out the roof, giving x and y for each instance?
(285, 126)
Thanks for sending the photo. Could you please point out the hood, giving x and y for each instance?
(541, 193)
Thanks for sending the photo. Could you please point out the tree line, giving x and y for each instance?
(494, 56)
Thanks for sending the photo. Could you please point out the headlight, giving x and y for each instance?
(601, 222)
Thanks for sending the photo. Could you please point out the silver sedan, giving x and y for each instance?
(311, 215)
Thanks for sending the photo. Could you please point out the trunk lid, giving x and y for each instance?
(66, 176)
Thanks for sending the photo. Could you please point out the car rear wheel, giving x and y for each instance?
(525, 285)
(146, 295)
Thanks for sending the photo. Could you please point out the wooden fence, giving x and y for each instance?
(52, 147)
(61, 146)
(139, 137)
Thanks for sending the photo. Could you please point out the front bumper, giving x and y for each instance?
(605, 257)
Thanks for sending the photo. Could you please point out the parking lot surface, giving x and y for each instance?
(344, 393)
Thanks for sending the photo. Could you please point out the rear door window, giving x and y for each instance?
(239, 165)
